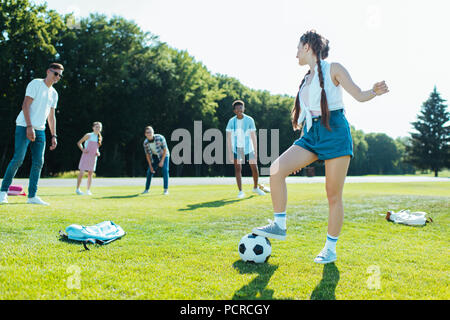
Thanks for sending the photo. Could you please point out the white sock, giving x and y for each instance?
(280, 219)
(330, 244)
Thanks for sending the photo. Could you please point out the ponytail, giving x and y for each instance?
(296, 109)
(323, 97)
(320, 47)
(100, 137)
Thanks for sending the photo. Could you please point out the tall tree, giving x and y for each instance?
(429, 147)
(382, 153)
(28, 36)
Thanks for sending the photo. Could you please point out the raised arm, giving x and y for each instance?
(341, 76)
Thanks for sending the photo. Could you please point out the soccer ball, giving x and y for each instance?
(254, 248)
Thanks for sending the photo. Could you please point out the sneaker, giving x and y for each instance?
(241, 195)
(166, 192)
(272, 230)
(79, 192)
(89, 193)
(259, 192)
(325, 256)
(3, 197)
(145, 191)
(37, 200)
(264, 188)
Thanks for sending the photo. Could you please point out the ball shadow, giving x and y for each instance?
(256, 289)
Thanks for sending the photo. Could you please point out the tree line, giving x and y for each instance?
(127, 78)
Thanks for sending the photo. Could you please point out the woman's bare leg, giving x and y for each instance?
(335, 173)
(293, 159)
(79, 178)
(89, 181)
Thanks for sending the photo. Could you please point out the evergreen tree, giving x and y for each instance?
(429, 147)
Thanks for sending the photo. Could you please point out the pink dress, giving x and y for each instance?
(88, 161)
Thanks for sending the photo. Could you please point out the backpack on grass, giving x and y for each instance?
(409, 218)
(102, 233)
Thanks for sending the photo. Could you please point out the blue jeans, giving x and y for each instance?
(165, 172)
(37, 159)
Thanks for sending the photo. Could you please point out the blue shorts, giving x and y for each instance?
(240, 155)
(328, 144)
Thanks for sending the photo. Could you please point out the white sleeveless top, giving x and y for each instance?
(334, 95)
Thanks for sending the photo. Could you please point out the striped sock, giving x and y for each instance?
(280, 219)
(331, 243)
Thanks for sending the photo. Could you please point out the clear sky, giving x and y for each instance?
(405, 43)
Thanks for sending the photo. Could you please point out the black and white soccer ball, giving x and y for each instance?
(254, 248)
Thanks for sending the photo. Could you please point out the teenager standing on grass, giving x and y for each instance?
(158, 155)
(242, 145)
(89, 145)
(38, 108)
(326, 136)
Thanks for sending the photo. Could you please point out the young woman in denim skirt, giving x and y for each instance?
(319, 113)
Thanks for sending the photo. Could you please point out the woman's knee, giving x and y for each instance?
(334, 196)
(276, 171)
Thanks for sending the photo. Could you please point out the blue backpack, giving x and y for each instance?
(102, 233)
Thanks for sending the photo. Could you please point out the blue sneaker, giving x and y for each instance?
(272, 230)
(325, 256)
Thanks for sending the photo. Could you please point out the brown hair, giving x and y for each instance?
(56, 66)
(149, 128)
(238, 103)
(100, 137)
(320, 48)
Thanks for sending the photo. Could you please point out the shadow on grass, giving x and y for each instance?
(211, 204)
(256, 289)
(326, 289)
(72, 242)
(120, 197)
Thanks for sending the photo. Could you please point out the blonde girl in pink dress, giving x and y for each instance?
(89, 145)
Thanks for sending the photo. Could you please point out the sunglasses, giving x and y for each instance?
(57, 74)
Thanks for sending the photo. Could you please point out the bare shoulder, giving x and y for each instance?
(336, 67)
(337, 70)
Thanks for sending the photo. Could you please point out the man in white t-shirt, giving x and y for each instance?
(38, 108)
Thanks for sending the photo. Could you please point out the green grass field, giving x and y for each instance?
(184, 246)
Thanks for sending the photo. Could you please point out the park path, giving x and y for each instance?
(111, 182)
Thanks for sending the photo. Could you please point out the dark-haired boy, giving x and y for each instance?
(38, 107)
(242, 143)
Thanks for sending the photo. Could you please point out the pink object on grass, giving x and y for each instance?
(16, 191)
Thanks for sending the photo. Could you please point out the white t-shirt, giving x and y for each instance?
(44, 98)
(240, 133)
(153, 147)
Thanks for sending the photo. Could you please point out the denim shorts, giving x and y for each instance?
(328, 144)
(239, 155)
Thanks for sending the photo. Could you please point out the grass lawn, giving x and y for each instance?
(184, 246)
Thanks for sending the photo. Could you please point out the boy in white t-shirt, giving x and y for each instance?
(242, 143)
(38, 107)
